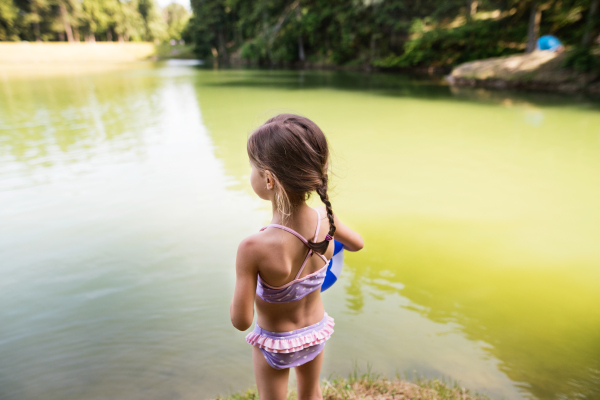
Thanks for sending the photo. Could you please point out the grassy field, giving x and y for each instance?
(25, 53)
(371, 387)
(24, 60)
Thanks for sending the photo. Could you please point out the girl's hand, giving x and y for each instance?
(246, 274)
(351, 240)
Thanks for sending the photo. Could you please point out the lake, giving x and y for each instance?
(125, 193)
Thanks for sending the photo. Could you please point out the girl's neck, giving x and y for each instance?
(280, 219)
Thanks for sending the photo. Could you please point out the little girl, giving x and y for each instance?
(281, 270)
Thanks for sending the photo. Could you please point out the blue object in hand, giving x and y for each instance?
(334, 270)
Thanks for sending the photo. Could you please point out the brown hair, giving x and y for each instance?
(295, 151)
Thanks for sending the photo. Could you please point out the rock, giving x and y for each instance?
(540, 70)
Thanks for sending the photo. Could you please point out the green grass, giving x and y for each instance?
(367, 386)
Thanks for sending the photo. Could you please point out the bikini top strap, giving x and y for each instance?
(318, 225)
(299, 236)
(310, 252)
(285, 228)
(317, 233)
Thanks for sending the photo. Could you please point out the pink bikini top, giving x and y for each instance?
(299, 287)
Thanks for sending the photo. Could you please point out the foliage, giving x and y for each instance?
(207, 23)
(8, 20)
(582, 59)
(176, 18)
(383, 33)
(366, 33)
(90, 20)
(448, 47)
(154, 25)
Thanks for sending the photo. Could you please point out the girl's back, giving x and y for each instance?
(284, 255)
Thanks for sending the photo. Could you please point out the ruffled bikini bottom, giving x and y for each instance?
(291, 349)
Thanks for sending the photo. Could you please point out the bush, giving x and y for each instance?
(581, 59)
(448, 47)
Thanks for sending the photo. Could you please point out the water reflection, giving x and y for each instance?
(70, 122)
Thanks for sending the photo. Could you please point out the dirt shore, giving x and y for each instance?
(540, 70)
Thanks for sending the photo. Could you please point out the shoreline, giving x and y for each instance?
(533, 86)
(540, 71)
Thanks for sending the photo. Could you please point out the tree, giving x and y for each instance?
(37, 9)
(590, 25)
(70, 11)
(8, 20)
(208, 25)
(535, 17)
(128, 24)
(154, 25)
(176, 17)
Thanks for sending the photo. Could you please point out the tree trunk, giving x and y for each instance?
(76, 35)
(108, 35)
(372, 47)
(66, 23)
(589, 25)
(120, 38)
(36, 31)
(301, 55)
(222, 49)
(534, 26)
(301, 49)
(471, 8)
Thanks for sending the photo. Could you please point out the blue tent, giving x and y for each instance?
(548, 42)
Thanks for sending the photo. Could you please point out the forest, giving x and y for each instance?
(91, 20)
(425, 34)
(386, 33)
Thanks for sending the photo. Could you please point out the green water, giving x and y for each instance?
(124, 195)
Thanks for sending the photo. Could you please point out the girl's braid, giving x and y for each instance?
(322, 191)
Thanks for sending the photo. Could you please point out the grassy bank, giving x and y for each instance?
(369, 387)
(52, 53)
(540, 70)
(24, 60)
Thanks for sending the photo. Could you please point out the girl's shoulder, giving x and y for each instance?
(260, 245)
(253, 245)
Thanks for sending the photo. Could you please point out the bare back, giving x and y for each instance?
(282, 257)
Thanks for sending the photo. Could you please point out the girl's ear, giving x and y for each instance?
(270, 181)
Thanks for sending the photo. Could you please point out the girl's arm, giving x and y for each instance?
(351, 240)
(246, 273)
